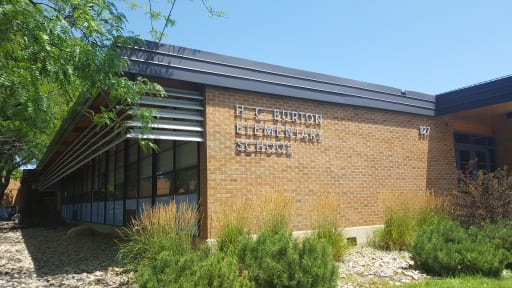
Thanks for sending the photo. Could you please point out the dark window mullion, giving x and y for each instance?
(154, 163)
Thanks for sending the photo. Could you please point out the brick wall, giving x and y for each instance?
(364, 155)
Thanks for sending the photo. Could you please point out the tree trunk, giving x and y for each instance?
(4, 182)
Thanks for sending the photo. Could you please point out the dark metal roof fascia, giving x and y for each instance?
(475, 96)
(74, 115)
(218, 70)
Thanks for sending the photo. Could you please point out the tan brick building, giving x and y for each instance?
(237, 129)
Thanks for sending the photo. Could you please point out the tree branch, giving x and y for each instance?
(42, 4)
(166, 21)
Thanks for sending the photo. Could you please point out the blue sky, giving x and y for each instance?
(430, 46)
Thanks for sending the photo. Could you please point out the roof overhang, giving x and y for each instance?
(474, 97)
(173, 62)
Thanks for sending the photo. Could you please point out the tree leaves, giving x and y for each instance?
(53, 53)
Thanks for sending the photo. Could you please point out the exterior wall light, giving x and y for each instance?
(508, 116)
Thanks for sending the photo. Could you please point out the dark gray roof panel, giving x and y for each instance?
(475, 96)
(161, 60)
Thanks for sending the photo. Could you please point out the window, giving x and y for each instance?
(146, 174)
(476, 150)
(187, 180)
(113, 186)
(132, 169)
(119, 186)
(165, 167)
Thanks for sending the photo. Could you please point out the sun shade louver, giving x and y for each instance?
(178, 116)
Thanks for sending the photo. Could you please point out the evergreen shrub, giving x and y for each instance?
(201, 268)
(445, 248)
(276, 259)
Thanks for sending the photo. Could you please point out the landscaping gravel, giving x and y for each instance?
(367, 267)
(38, 257)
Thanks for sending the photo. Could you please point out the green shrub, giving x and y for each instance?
(317, 267)
(482, 198)
(276, 259)
(201, 268)
(159, 250)
(500, 234)
(272, 259)
(446, 248)
(328, 232)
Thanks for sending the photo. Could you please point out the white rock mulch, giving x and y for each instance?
(367, 267)
(38, 257)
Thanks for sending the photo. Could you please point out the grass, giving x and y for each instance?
(462, 282)
(325, 220)
(170, 228)
(404, 213)
(253, 214)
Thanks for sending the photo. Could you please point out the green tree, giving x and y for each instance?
(54, 53)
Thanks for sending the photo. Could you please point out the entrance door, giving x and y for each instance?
(479, 158)
(475, 149)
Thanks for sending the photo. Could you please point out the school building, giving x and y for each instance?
(231, 129)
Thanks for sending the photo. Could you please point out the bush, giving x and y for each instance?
(159, 251)
(317, 267)
(202, 268)
(445, 248)
(500, 234)
(483, 198)
(275, 259)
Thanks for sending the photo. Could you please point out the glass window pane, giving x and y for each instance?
(482, 157)
(145, 167)
(95, 180)
(186, 155)
(145, 187)
(163, 184)
(100, 196)
(164, 145)
(131, 183)
(187, 181)
(119, 187)
(165, 161)
(464, 156)
(133, 150)
(463, 139)
(492, 157)
(478, 140)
